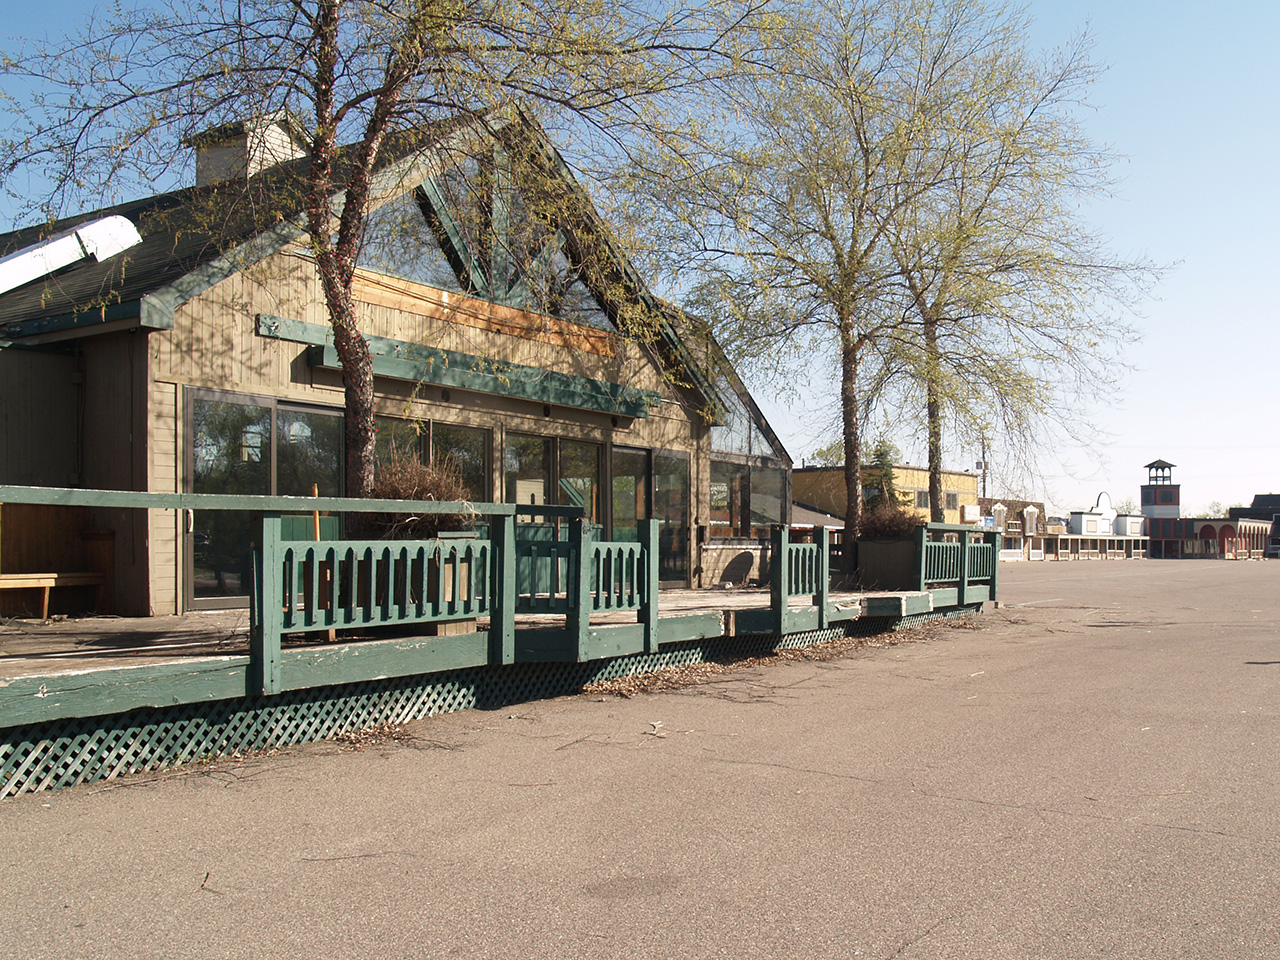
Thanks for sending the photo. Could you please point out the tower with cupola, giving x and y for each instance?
(1161, 497)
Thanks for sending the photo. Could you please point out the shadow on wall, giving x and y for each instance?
(739, 568)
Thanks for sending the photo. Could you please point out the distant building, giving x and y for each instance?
(1099, 533)
(1021, 523)
(1265, 506)
(1161, 497)
(822, 489)
(1173, 536)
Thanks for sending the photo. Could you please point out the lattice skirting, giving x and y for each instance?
(65, 752)
(951, 613)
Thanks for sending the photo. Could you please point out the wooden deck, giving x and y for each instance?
(48, 647)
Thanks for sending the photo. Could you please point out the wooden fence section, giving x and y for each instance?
(800, 570)
(389, 597)
(958, 564)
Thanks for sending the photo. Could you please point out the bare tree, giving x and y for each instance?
(1018, 304)
(895, 191)
(364, 82)
(783, 213)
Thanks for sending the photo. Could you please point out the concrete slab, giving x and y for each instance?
(1091, 771)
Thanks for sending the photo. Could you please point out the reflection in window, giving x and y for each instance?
(740, 432)
(399, 243)
(734, 434)
(467, 449)
(746, 500)
(231, 453)
(230, 443)
(671, 510)
(579, 475)
(396, 436)
(730, 499)
(309, 452)
(630, 495)
(768, 486)
(527, 469)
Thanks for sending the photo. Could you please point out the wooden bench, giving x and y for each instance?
(55, 539)
(47, 581)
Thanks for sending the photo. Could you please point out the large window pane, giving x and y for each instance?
(399, 242)
(767, 501)
(580, 477)
(630, 495)
(468, 450)
(734, 434)
(671, 509)
(527, 469)
(308, 452)
(231, 453)
(730, 499)
(398, 436)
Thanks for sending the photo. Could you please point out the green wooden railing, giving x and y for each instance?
(540, 562)
(957, 572)
(359, 583)
(800, 570)
(549, 568)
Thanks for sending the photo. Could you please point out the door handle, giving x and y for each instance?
(190, 520)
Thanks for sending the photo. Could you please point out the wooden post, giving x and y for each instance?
(922, 538)
(992, 541)
(778, 606)
(649, 584)
(822, 542)
(323, 572)
(578, 589)
(315, 515)
(502, 614)
(265, 643)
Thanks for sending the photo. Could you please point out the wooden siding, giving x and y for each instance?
(38, 430)
(164, 447)
(214, 345)
(115, 418)
(415, 298)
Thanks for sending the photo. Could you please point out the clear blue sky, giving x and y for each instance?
(1190, 101)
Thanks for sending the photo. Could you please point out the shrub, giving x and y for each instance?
(889, 518)
(400, 475)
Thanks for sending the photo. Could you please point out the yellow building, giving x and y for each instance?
(822, 489)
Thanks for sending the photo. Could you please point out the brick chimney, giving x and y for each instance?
(247, 147)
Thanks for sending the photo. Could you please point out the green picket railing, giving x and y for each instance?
(519, 561)
(957, 572)
(545, 568)
(800, 570)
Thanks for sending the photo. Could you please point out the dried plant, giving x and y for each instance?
(400, 475)
(889, 518)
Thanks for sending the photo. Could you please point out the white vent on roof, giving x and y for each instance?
(99, 239)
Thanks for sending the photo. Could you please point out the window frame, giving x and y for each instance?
(190, 397)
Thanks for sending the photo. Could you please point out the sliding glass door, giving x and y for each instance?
(249, 445)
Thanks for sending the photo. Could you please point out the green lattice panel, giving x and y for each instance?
(951, 613)
(81, 750)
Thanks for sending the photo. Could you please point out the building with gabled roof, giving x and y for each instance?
(524, 348)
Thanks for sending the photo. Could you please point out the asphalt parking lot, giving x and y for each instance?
(1089, 771)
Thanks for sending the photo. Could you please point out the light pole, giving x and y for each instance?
(982, 465)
